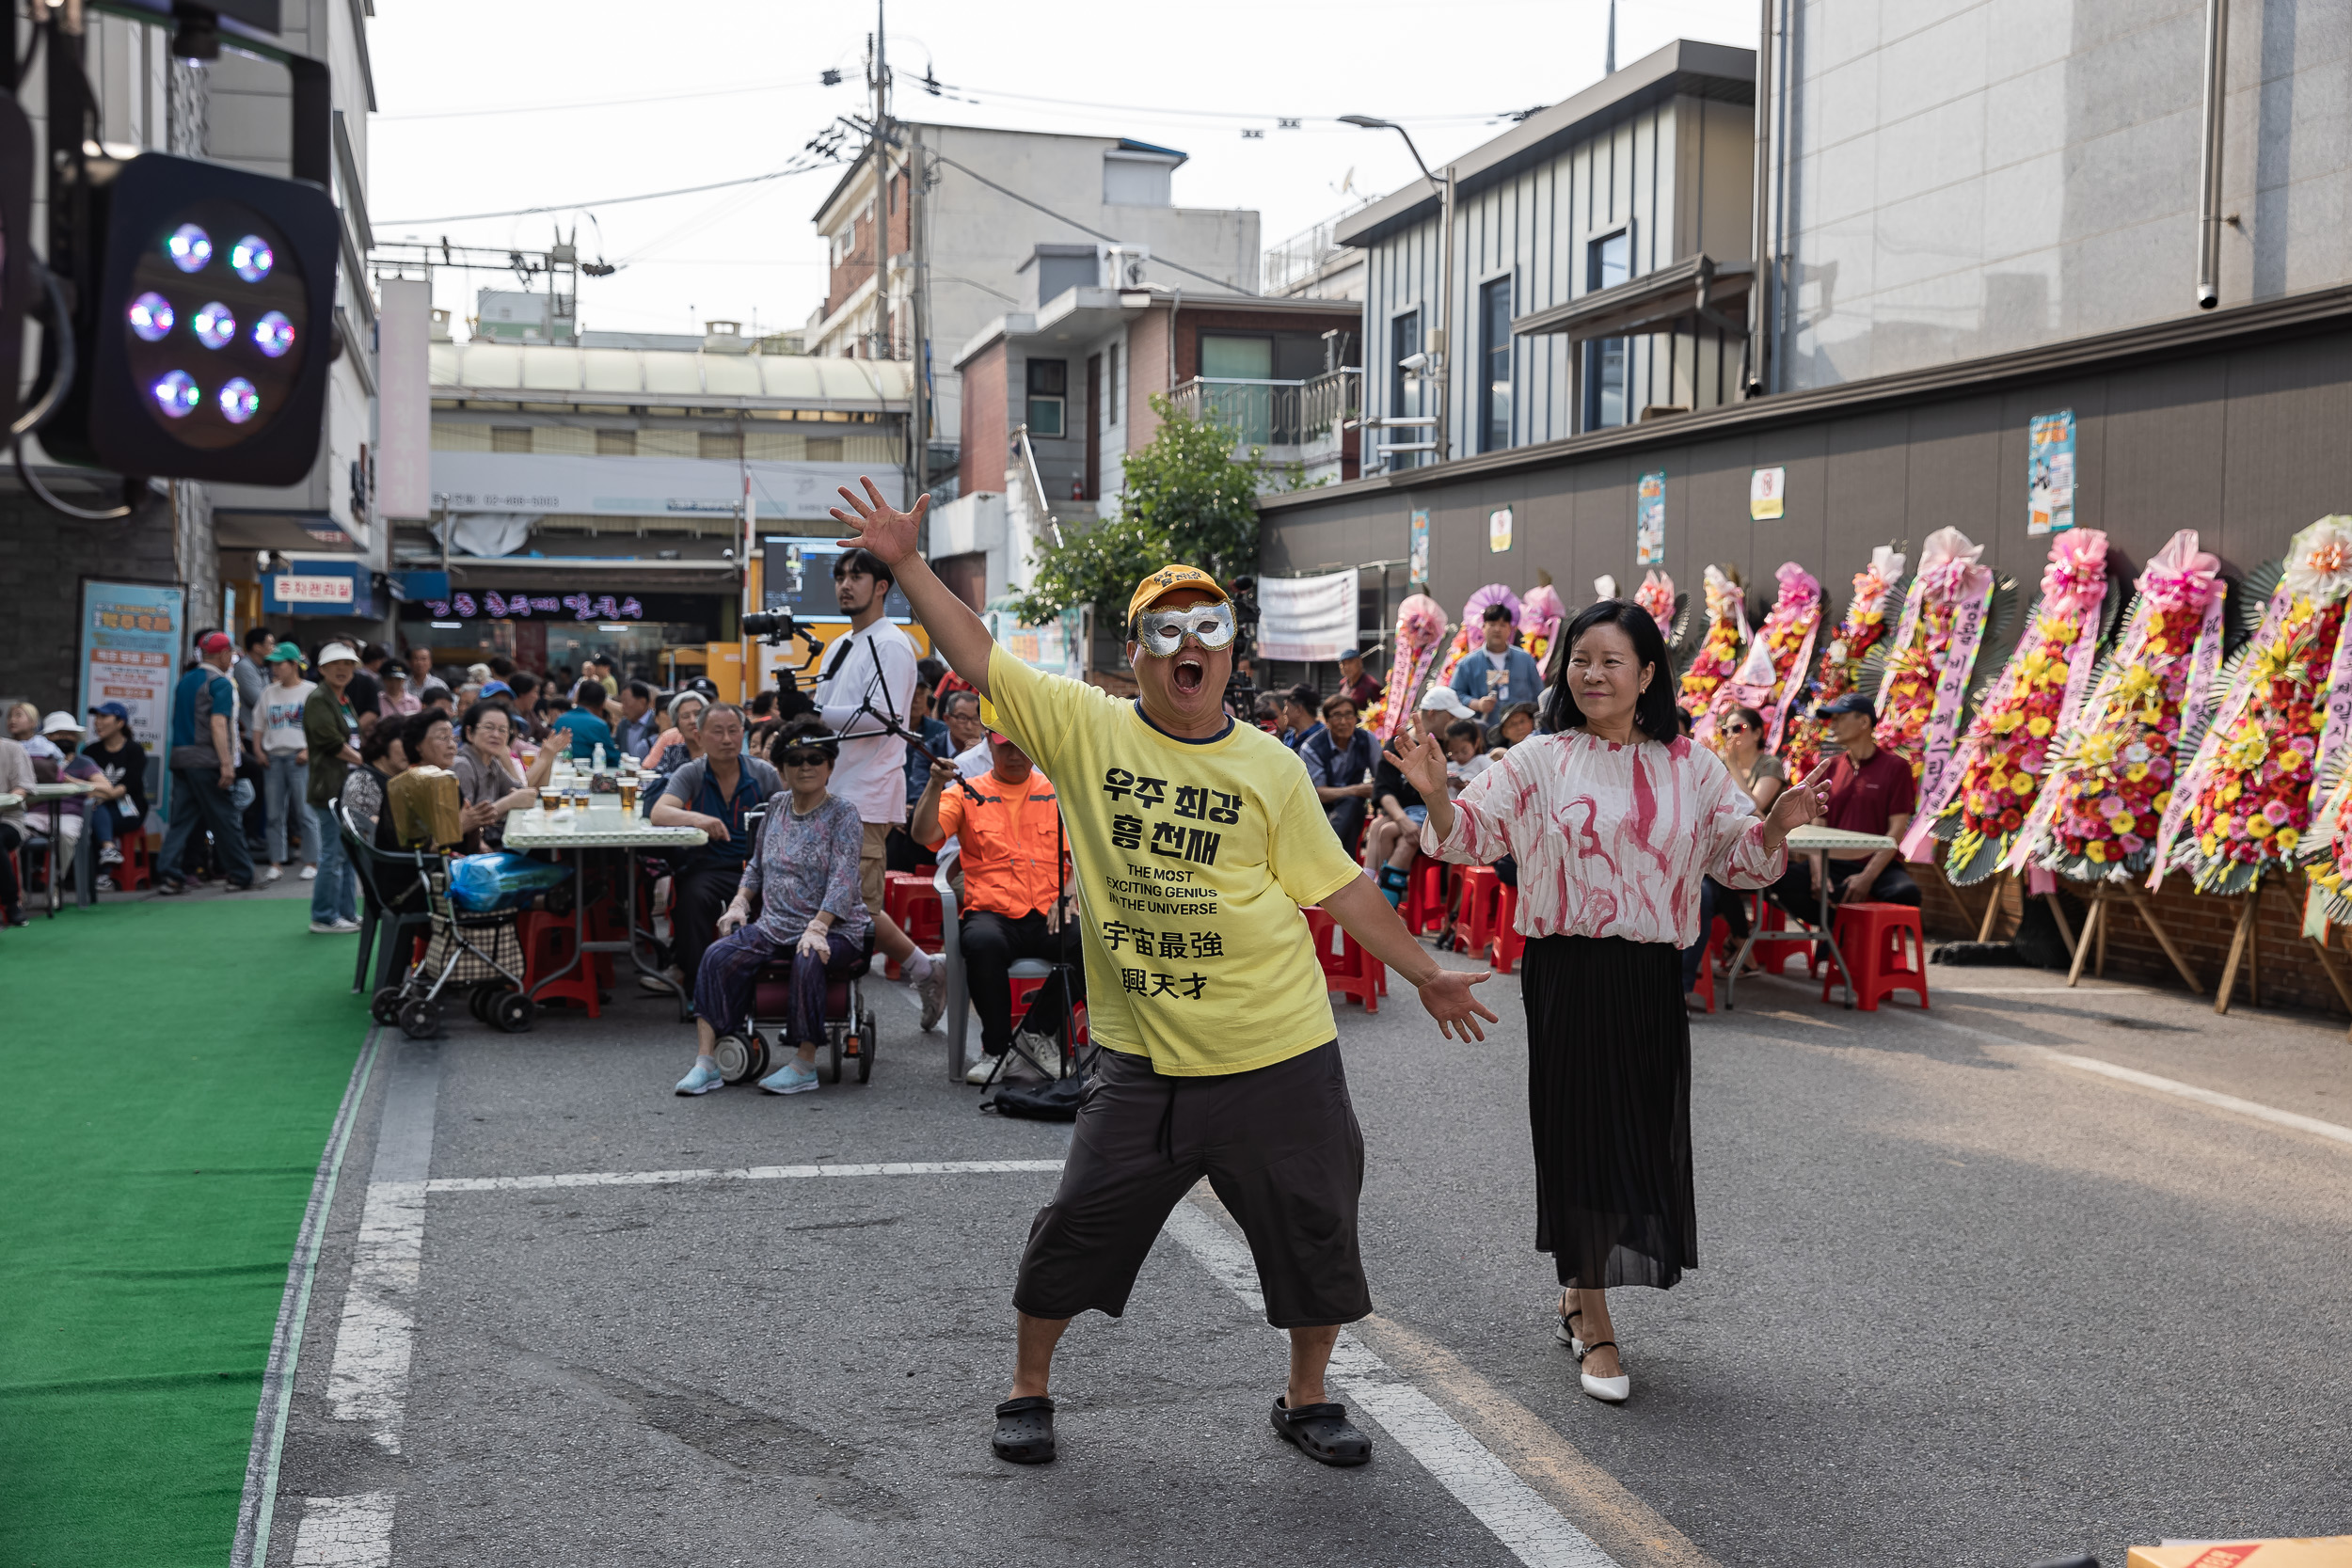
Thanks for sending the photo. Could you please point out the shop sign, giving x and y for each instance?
(495, 606)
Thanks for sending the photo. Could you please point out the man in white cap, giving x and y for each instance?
(330, 733)
(1394, 837)
(205, 746)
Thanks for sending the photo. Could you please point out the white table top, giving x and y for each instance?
(10, 800)
(1834, 839)
(598, 828)
(64, 789)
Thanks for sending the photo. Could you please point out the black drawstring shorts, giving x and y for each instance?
(1281, 1149)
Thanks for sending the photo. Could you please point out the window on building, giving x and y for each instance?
(1405, 385)
(1609, 262)
(824, 449)
(723, 445)
(510, 437)
(1049, 391)
(1494, 365)
(1110, 386)
(616, 443)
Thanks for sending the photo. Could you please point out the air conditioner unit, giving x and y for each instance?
(1123, 265)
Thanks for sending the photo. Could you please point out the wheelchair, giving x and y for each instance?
(848, 1023)
(849, 1016)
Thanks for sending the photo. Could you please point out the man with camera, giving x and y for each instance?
(865, 695)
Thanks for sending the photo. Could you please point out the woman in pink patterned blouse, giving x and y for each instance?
(1614, 819)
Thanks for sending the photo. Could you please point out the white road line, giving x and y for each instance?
(2163, 1085)
(345, 1532)
(258, 1507)
(1536, 1533)
(369, 1379)
(742, 1173)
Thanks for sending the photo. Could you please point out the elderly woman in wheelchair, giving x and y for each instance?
(800, 898)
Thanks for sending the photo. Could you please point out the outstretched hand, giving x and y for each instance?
(888, 532)
(1447, 996)
(1421, 762)
(1801, 805)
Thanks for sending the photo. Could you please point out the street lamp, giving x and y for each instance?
(1441, 338)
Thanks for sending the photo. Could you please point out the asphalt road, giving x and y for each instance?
(1962, 1299)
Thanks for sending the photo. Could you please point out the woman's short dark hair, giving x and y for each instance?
(807, 730)
(417, 727)
(1755, 719)
(476, 714)
(378, 740)
(1654, 709)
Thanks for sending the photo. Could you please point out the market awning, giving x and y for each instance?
(1714, 292)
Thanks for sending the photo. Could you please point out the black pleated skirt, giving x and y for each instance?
(1609, 1104)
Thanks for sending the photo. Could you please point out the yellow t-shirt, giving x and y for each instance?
(1194, 859)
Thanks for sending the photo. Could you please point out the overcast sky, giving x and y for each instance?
(489, 108)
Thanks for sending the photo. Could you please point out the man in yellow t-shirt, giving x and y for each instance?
(1197, 841)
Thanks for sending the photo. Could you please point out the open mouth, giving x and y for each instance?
(1190, 671)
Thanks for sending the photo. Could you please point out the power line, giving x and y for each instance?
(604, 103)
(611, 200)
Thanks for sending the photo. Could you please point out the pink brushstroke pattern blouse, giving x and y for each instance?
(1611, 840)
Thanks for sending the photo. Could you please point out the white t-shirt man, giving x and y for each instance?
(859, 668)
(280, 717)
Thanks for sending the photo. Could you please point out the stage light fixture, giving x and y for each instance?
(205, 352)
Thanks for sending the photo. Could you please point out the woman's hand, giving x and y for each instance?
(1421, 762)
(1801, 805)
(734, 918)
(815, 944)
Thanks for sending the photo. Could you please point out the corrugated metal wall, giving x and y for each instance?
(1534, 227)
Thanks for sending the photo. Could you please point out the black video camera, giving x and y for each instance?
(1241, 696)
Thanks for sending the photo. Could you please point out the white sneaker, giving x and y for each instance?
(338, 927)
(310, 873)
(1040, 1053)
(979, 1069)
(273, 874)
(932, 990)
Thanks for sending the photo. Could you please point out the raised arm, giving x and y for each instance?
(891, 534)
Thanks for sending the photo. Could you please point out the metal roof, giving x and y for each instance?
(555, 373)
(1682, 67)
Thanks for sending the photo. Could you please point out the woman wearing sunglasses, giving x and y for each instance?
(803, 872)
(1762, 775)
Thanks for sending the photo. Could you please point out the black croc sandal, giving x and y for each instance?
(1025, 1430)
(1323, 1432)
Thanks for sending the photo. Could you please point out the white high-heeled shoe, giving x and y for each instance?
(1609, 1390)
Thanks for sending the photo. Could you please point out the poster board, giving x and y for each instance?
(1649, 520)
(2050, 472)
(130, 638)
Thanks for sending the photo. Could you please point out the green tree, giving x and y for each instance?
(1187, 497)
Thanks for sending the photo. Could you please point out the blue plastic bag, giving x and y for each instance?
(486, 884)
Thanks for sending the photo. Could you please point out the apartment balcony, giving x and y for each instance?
(1310, 424)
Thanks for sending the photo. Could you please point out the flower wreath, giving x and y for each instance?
(2110, 777)
(1726, 634)
(2245, 800)
(1945, 617)
(1996, 774)
(1773, 671)
(1862, 629)
(1420, 629)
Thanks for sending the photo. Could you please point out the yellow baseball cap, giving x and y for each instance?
(1151, 590)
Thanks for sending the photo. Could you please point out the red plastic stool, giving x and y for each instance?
(1346, 967)
(1424, 897)
(137, 869)
(1885, 952)
(1482, 902)
(911, 899)
(1773, 955)
(1509, 944)
(546, 941)
(1717, 935)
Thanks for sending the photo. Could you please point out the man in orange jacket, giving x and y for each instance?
(1008, 825)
